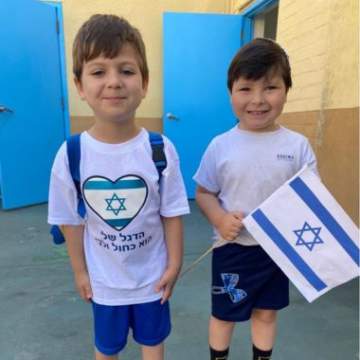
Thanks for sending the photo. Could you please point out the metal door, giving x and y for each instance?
(32, 123)
(198, 49)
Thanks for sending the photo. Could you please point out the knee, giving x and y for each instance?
(221, 325)
(264, 316)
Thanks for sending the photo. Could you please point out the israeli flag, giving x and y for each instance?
(307, 234)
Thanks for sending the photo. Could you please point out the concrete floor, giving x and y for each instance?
(44, 319)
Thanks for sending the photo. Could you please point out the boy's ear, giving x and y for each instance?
(79, 87)
(286, 95)
(145, 87)
(230, 96)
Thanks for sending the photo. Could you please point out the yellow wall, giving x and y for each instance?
(302, 31)
(238, 5)
(321, 38)
(147, 17)
(343, 55)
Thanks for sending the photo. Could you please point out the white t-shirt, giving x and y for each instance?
(124, 243)
(243, 168)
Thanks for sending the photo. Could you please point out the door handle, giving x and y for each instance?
(5, 109)
(171, 116)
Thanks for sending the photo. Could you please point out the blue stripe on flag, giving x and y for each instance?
(107, 185)
(118, 222)
(288, 250)
(326, 218)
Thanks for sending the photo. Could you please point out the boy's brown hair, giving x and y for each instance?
(258, 58)
(105, 35)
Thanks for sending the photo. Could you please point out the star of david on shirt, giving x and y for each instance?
(112, 204)
(306, 231)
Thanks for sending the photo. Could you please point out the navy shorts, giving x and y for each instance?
(245, 278)
(150, 324)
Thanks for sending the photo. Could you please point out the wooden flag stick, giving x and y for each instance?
(192, 266)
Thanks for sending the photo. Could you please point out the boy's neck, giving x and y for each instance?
(114, 133)
(274, 127)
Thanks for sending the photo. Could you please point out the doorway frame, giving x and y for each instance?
(254, 9)
(64, 89)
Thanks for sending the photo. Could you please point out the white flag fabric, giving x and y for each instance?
(307, 234)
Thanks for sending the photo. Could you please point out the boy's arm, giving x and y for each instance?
(227, 223)
(74, 241)
(173, 229)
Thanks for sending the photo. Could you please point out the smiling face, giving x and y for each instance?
(113, 87)
(258, 103)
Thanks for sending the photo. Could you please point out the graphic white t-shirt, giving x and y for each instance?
(244, 168)
(124, 241)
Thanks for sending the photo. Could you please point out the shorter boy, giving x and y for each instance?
(238, 171)
(127, 251)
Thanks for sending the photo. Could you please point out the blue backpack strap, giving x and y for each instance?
(57, 235)
(73, 153)
(158, 153)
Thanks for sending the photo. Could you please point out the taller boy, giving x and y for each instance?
(127, 253)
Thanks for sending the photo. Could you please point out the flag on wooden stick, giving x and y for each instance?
(308, 235)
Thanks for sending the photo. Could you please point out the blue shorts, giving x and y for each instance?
(150, 324)
(245, 278)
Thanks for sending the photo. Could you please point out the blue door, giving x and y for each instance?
(32, 123)
(198, 49)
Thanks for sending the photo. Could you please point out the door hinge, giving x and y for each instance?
(57, 26)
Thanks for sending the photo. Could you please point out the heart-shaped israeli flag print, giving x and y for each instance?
(116, 202)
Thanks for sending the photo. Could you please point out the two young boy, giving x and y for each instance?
(129, 287)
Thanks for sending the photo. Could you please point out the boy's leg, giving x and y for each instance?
(153, 352)
(151, 326)
(100, 356)
(263, 332)
(220, 333)
(274, 295)
(111, 326)
(225, 274)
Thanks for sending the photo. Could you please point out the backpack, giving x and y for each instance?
(74, 154)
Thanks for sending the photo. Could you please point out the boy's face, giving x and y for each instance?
(258, 103)
(113, 88)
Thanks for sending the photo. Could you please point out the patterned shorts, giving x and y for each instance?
(245, 278)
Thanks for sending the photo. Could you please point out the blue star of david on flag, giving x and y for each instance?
(314, 236)
(112, 204)
(230, 281)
